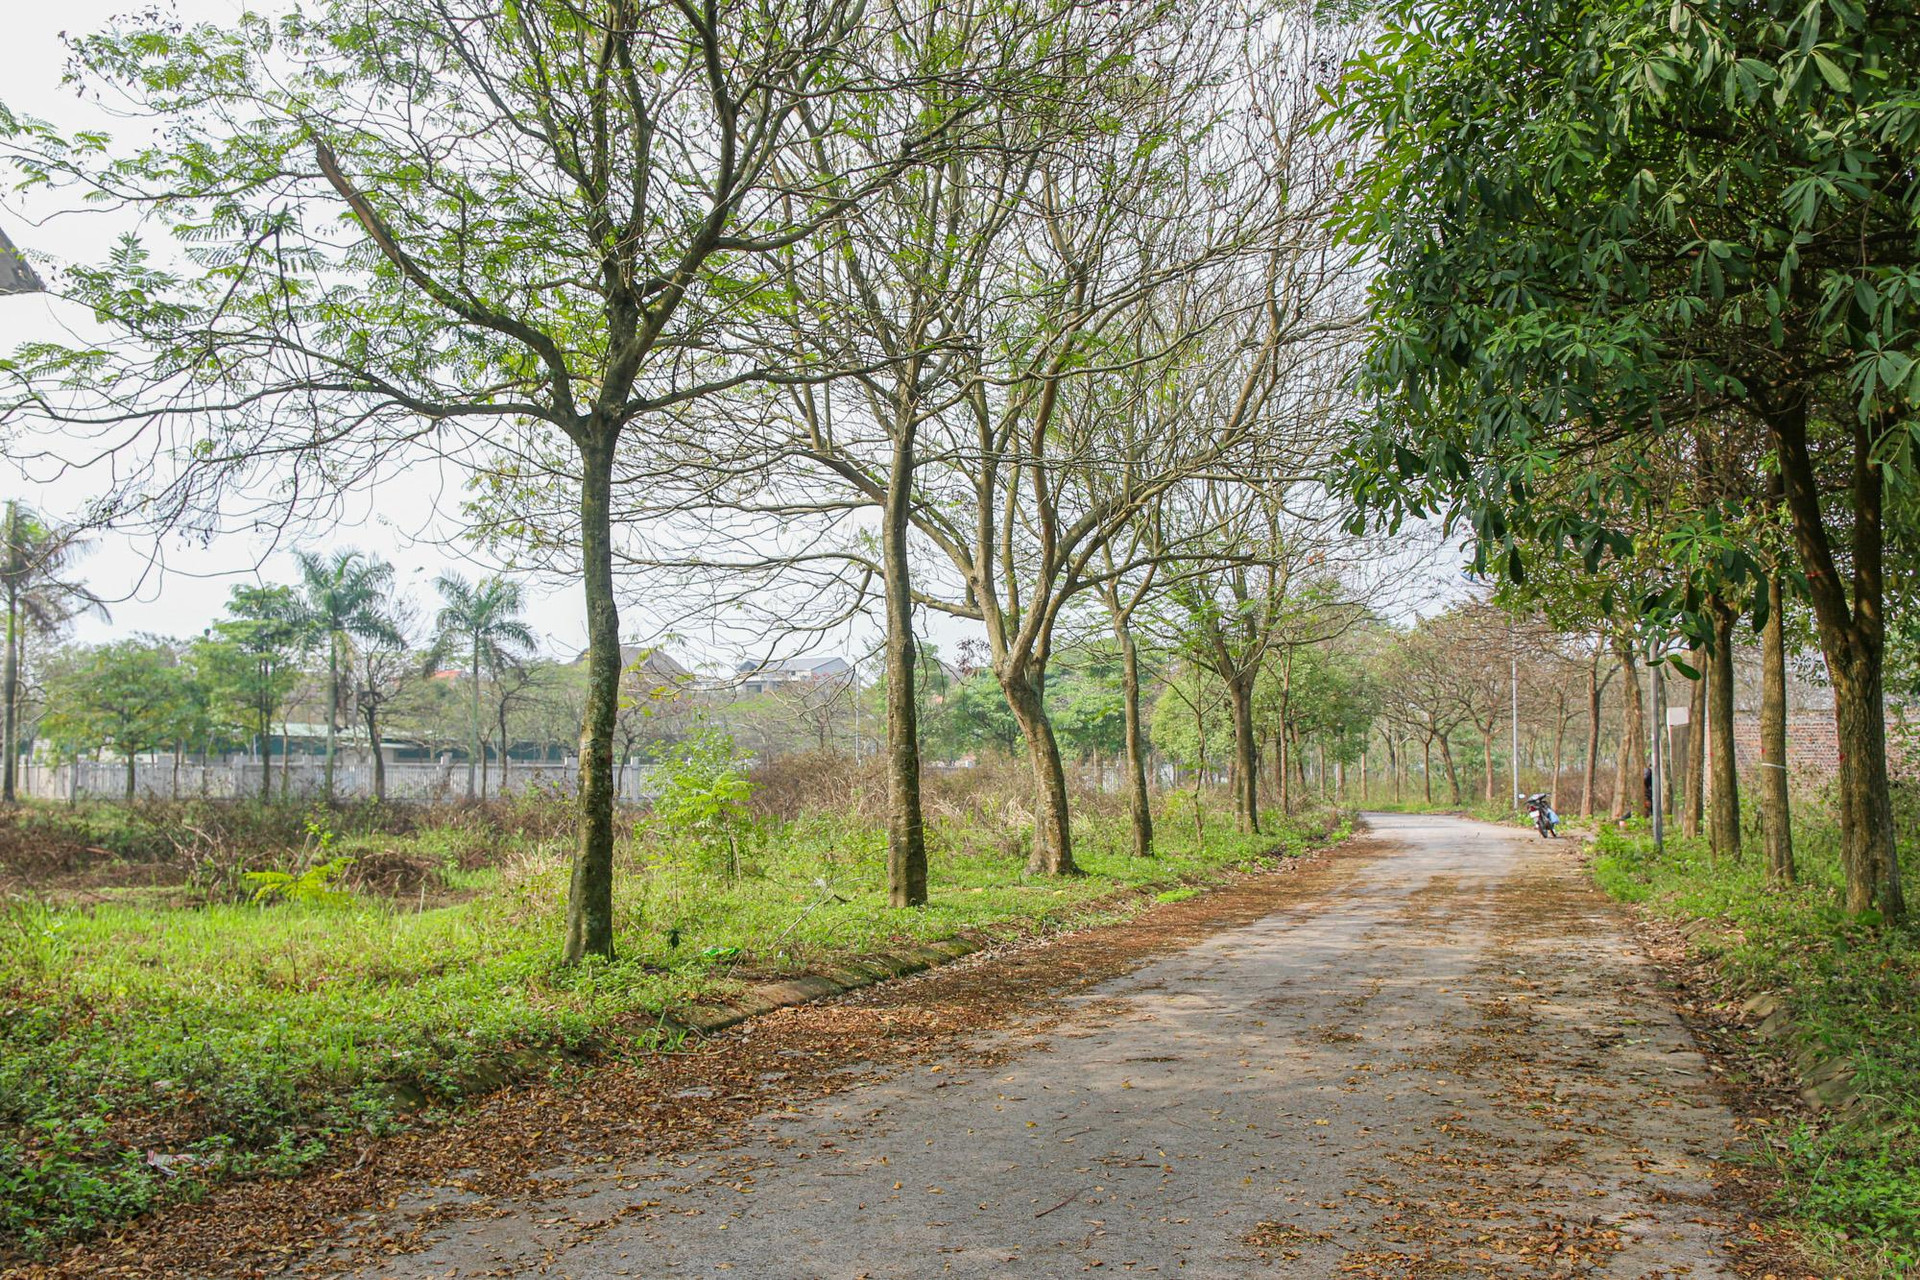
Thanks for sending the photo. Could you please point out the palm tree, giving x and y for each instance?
(483, 620)
(34, 558)
(344, 598)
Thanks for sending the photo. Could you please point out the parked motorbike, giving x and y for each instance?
(1545, 820)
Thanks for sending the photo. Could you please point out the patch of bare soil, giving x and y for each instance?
(697, 1099)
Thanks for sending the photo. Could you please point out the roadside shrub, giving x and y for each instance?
(702, 792)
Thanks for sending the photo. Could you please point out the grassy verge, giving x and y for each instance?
(1851, 991)
(150, 1045)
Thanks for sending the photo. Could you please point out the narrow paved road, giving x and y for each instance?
(1457, 1064)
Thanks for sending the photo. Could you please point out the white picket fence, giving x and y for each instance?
(304, 777)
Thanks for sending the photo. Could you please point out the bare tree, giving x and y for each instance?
(384, 670)
(524, 233)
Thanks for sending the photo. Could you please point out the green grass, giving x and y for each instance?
(1852, 989)
(149, 1049)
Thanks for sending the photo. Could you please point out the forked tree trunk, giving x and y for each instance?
(1052, 853)
(1774, 803)
(590, 891)
(906, 823)
(1852, 636)
(1723, 818)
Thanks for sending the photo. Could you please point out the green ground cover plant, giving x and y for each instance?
(153, 1044)
(1851, 988)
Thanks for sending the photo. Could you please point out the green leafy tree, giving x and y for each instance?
(1596, 223)
(971, 716)
(1192, 723)
(565, 222)
(701, 788)
(1088, 705)
(36, 558)
(344, 597)
(129, 698)
(249, 662)
(481, 622)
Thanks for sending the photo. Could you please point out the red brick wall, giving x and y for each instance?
(1813, 746)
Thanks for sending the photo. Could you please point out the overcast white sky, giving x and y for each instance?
(177, 587)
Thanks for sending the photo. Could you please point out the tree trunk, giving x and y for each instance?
(129, 777)
(590, 892)
(266, 757)
(1630, 797)
(1246, 770)
(1872, 873)
(1593, 736)
(286, 759)
(1453, 774)
(1695, 799)
(906, 823)
(479, 743)
(12, 736)
(1139, 803)
(1774, 803)
(333, 707)
(1426, 768)
(1559, 754)
(1852, 636)
(1724, 810)
(1052, 837)
(1283, 763)
(500, 788)
(379, 756)
(1486, 755)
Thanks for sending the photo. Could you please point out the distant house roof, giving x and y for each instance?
(816, 668)
(653, 660)
(16, 273)
(649, 660)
